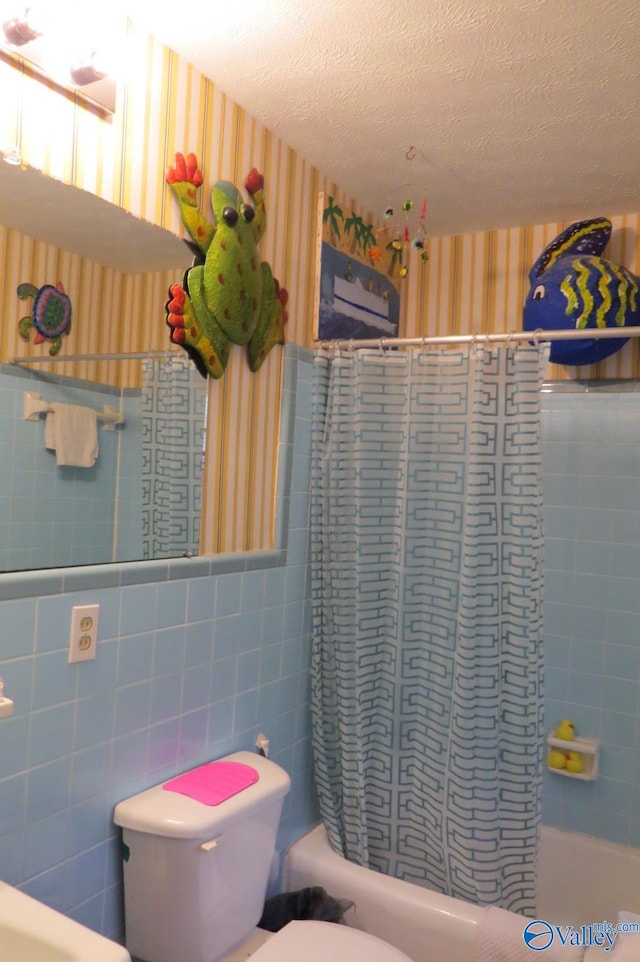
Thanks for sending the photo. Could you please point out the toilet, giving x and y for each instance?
(197, 852)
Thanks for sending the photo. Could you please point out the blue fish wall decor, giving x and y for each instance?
(574, 287)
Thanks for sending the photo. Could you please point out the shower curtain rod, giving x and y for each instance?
(509, 336)
(125, 356)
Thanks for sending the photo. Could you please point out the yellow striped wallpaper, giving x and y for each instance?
(477, 284)
(472, 283)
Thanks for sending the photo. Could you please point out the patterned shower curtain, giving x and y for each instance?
(174, 411)
(426, 534)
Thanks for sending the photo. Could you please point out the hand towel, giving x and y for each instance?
(72, 432)
(500, 939)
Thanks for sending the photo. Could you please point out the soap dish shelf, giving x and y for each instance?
(589, 748)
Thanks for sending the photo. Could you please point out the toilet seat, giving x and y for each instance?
(324, 942)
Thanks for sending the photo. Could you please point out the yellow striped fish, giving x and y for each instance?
(574, 287)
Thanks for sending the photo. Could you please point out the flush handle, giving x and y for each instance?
(211, 844)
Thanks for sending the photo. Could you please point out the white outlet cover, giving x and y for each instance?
(83, 639)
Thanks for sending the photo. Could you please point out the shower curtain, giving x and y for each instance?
(426, 535)
(174, 411)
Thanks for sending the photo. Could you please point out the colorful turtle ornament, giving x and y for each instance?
(228, 296)
(50, 314)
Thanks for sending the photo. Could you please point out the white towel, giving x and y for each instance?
(72, 432)
(500, 939)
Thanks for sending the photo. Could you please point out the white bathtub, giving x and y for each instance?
(32, 932)
(581, 880)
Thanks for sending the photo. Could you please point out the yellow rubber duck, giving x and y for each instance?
(574, 762)
(556, 759)
(565, 730)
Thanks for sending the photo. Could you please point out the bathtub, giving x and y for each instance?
(581, 880)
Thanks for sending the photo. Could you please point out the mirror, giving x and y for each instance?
(140, 498)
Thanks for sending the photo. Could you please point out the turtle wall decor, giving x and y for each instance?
(50, 314)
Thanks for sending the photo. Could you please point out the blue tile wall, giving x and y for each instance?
(591, 464)
(193, 661)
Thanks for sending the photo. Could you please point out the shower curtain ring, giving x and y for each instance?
(536, 336)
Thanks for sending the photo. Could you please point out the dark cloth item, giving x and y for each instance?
(310, 903)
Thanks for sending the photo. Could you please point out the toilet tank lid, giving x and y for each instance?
(325, 942)
(159, 812)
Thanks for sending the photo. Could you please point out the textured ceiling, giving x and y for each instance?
(519, 111)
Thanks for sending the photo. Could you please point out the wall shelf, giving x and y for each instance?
(589, 748)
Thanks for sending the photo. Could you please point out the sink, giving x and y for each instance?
(32, 932)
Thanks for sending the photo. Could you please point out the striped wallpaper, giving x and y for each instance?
(477, 283)
(472, 283)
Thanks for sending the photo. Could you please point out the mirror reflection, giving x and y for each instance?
(77, 487)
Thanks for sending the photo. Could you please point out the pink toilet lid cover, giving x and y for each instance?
(214, 782)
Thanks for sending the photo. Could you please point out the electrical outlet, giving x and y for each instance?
(84, 632)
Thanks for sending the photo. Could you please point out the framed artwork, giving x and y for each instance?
(357, 279)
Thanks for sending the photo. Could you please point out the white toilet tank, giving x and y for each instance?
(195, 874)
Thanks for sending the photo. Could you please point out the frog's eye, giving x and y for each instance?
(248, 213)
(538, 294)
(230, 216)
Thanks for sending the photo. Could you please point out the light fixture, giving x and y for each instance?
(88, 70)
(22, 28)
(63, 45)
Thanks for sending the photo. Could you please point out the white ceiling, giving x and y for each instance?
(519, 111)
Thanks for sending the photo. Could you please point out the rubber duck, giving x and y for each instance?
(556, 759)
(574, 762)
(565, 730)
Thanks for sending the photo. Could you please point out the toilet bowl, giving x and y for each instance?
(197, 853)
(325, 942)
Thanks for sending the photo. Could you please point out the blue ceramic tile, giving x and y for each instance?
(172, 604)
(12, 856)
(556, 651)
(51, 734)
(94, 719)
(245, 711)
(163, 749)
(87, 824)
(84, 875)
(581, 688)
(18, 681)
(622, 627)
(622, 661)
(100, 674)
(12, 803)
(90, 772)
(195, 688)
(618, 729)
(132, 708)
(88, 913)
(252, 591)
(228, 594)
(48, 789)
(168, 650)
(135, 654)
(201, 599)
(220, 719)
(249, 630)
(166, 694)
(223, 678)
(248, 669)
(199, 643)
(18, 628)
(225, 637)
(620, 694)
(129, 763)
(49, 888)
(138, 605)
(44, 844)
